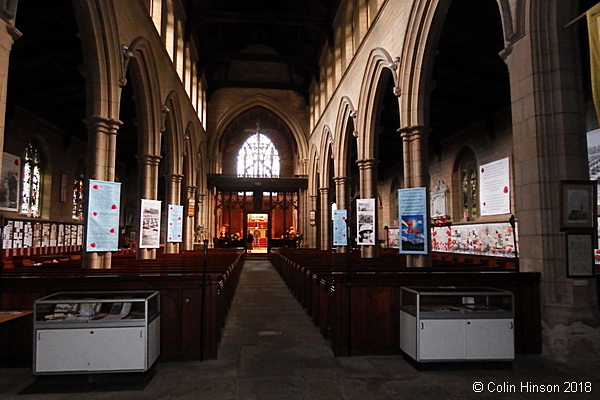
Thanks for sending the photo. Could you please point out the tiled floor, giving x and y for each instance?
(271, 350)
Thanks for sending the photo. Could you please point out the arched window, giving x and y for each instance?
(78, 181)
(468, 185)
(31, 183)
(258, 158)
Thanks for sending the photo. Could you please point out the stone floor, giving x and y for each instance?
(271, 350)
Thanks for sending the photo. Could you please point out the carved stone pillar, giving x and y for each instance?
(102, 133)
(414, 145)
(173, 196)
(341, 195)
(368, 190)
(189, 221)
(311, 233)
(324, 219)
(8, 35)
(148, 167)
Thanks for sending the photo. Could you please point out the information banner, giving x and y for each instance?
(175, 223)
(412, 212)
(103, 217)
(340, 238)
(150, 224)
(494, 188)
(365, 212)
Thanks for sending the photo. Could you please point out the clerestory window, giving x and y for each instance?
(258, 158)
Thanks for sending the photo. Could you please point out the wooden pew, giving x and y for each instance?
(371, 290)
(184, 334)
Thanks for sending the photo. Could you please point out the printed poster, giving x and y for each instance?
(103, 216)
(412, 212)
(494, 188)
(150, 224)
(175, 223)
(339, 228)
(365, 212)
(11, 179)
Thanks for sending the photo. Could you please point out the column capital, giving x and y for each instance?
(103, 124)
(410, 132)
(323, 190)
(340, 180)
(367, 163)
(177, 178)
(149, 159)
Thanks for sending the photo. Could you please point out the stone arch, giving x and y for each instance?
(379, 60)
(346, 111)
(173, 134)
(325, 154)
(144, 75)
(100, 44)
(245, 105)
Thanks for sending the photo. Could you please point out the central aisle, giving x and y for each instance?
(272, 350)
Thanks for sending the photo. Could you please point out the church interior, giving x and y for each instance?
(359, 148)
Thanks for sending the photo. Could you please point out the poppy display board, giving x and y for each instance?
(102, 232)
(174, 223)
(339, 228)
(494, 188)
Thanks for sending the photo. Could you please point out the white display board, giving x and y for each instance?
(494, 188)
(103, 217)
(174, 223)
(339, 228)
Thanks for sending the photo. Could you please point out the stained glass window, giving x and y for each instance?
(258, 158)
(78, 196)
(469, 186)
(31, 183)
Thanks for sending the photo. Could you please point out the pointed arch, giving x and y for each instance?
(345, 114)
(326, 153)
(371, 89)
(257, 101)
(173, 134)
(145, 81)
(100, 45)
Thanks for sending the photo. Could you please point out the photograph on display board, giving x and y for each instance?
(365, 221)
(150, 224)
(413, 233)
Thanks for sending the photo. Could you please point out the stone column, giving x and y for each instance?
(102, 134)
(324, 219)
(8, 35)
(414, 145)
(189, 221)
(549, 145)
(173, 196)
(148, 167)
(311, 236)
(368, 190)
(341, 195)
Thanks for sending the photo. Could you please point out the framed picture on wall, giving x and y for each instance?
(578, 205)
(580, 255)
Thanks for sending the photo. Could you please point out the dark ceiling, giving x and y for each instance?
(257, 35)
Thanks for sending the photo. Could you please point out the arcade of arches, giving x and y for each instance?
(353, 99)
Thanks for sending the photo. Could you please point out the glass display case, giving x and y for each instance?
(448, 323)
(84, 332)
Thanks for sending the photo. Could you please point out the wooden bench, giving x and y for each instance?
(194, 305)
(371, 290)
